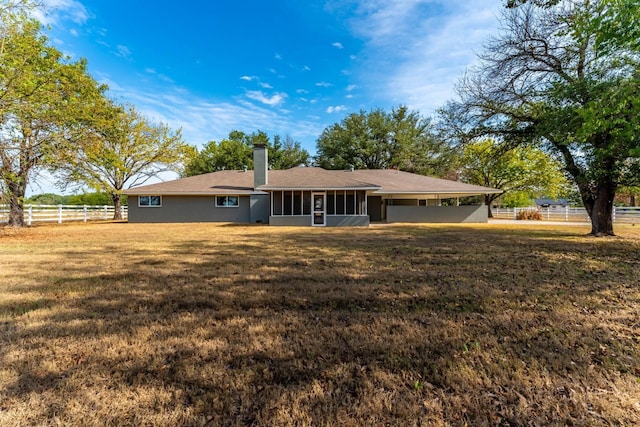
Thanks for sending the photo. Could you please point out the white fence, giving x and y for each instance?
(63, 213)
(621, 215)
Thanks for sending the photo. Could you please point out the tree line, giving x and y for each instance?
(552, 105)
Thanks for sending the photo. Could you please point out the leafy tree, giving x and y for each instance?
(122, 149)
(567, 75)
(236, 152)
(378, 140)
(47, 199)
(521, 169)
(43, 98)
(287, 153)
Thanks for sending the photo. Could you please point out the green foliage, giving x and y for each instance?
(120, 149)
(567, 74)
(45, 99)
(516, 199)
(527, 171)
(89, 199)
(379, 140)
(236, 152)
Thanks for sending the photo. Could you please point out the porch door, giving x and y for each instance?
(319, 210)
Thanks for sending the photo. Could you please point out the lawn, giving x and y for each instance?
(204, 324)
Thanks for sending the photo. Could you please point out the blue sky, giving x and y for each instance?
(283, 66)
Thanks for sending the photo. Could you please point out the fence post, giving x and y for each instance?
(515, 213)
(84, 213)
(29, 215)
(122, 212)
(59, 214)
(613, 215)
(106, 212)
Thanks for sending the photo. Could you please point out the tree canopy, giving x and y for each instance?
(119, 150)
(565, 75)
(236, 153)
(525, 170)
(43, 97)
(376, 139)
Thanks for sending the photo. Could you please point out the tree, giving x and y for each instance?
(43, 98)
(378, 140)
(567, 75)
(121, 150)
(236, 152)
(525, 170)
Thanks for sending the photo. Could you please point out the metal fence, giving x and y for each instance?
(63, 213)
(621, 215)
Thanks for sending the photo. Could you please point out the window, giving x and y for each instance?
(149, 201)
(227, 201)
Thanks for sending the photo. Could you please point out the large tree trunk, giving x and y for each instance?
(599, 205)
(488, 200)
(16, 202)
(117, 206)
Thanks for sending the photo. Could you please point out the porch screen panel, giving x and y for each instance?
(297, 202)
(277, 202)
(306, 202)
(288, 202)
(331, 202)
(340, 201)
(350, 202)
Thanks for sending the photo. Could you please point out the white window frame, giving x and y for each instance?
(226, 196)
(149, 196)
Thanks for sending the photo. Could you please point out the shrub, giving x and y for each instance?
(529, 214)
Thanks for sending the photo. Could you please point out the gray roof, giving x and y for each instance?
(381, 182)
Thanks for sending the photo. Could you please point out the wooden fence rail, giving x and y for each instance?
(63, 213)
(621, 215)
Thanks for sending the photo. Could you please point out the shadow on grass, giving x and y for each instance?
(405, 326)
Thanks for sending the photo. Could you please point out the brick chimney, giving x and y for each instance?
(260, 165)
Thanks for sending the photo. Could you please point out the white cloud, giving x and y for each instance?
(306, 68)
(123, 51)
(274, 100)
(416, 50)
(58, 10)
(73, 32)
(338, 45)
(302, 91)
(336, 109)
(266, 85)
(277, 56)
(351, 88)
(324, 84)
(248, 78)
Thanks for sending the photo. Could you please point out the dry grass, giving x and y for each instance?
(123, 324)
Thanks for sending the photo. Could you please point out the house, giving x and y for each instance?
(305, 196)
(552, 203)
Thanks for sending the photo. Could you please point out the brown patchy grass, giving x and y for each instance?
(203, 324)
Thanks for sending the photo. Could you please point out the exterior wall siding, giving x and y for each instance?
(189, 209)
(260, 207)
(438, 214)
(330, 220)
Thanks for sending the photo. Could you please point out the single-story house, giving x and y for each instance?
(552, 203)
(304, 196)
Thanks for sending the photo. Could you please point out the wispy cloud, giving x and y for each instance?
(248, 78)
(351, 88)
(266, 85)
(336, 109)
(420, 47)
(277, 56)
(123, 51)
(324, 84)
(57, 10)
(338, 45)
(273, 100)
